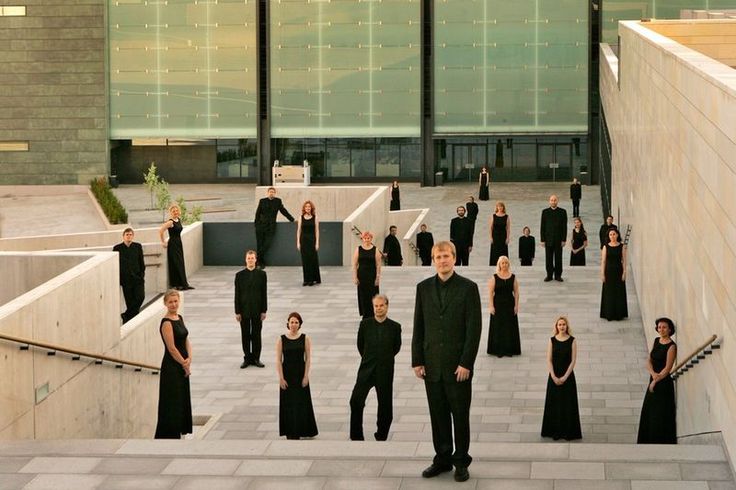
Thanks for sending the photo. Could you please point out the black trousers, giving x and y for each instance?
(250, 335)
(449, 408)
(134, 294)
(264, 239)
(576, 207)
(553, 259)
(426, 258)
(463, 253)
(384, 393)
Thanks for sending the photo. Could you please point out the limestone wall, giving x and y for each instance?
(672, 119)
(84, 400)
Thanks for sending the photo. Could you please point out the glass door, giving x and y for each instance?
(554, 161)
(467, 161)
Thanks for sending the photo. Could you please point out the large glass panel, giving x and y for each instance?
(345, 68)
(510, 67)
(182, 68)
(236, 158)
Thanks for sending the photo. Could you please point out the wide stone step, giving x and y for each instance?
(256, 464)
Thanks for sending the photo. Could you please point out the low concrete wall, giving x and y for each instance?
(23, 272)
(371, 215)
(408, 222)
(333, 203)
(84, 400)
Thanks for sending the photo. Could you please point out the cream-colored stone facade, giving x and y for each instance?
(671, 115)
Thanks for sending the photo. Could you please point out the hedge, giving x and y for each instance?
(110, 204)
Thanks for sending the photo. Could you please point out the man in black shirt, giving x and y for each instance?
(605, 228)
(461, 235)
(553, 235)
(379, 340)
(132, 274)
(392, 248)
(425, 242)
(251, 303)
(472, 209)
(576, 193)
(265, 222)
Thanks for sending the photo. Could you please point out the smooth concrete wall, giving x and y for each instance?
(371, 215)
(54, 92)
(84, 400)
(408, 222)
(713, 38)
(23, 272)
(672, 121)
(333, 203)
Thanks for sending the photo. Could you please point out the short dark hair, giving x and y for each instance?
(128, 230)
(392, 227)
(669, 323)
(296, 315)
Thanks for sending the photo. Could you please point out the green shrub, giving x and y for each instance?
(110, 204)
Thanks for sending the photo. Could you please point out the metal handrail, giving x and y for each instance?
(703, 349)
(414, 249)
(78, 354)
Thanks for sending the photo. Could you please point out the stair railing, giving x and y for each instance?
(414, 248)
(698, 354)
(76, 354)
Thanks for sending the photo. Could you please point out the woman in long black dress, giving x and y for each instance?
(613, 275)
(307, 242)
(174, 249)
(366, 273)
(395, 196)
(561, 418)
(578, 243)
(293, 362)
(657, 424)
(174, 398)
(503, 331)
(527, 247)
(500, 233)
(484, 180)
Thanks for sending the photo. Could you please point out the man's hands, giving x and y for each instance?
(419, 372)
(462, 374)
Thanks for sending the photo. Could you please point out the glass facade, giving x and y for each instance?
(344, 68)
(182, 69)
(616, 10)
(352, 157)
(509, 67)
(237, 158)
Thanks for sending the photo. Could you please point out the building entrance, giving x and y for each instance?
(468, 160)
(554, 153)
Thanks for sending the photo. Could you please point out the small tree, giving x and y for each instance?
(188, 217)
(163, 197)
(151, 180)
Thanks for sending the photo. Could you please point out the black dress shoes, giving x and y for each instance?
(435, 469)
(461, 474)
(244, 365)
(547, 279)
(559, 279)
(258, 364)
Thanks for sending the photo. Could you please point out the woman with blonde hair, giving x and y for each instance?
(174, 249)
(561, 413)
(500, 233)
(366, 273)
(307, 242)
(174, 396)
(503, 331)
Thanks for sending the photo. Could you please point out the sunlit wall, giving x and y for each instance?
(182, 68)
(345, 68)
(511, 67)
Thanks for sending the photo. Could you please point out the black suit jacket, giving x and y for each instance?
(378, 343)
(446, 337)
(576, 191)
(554, 226)
(461, 231)
(425, 242)
(251, 298)
(392, 248)
(132, 265)
(267, 211)
(472, 208)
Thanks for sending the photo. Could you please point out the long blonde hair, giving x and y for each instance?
(567, 322)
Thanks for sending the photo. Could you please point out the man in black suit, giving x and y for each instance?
(447, 326)
(132, 274)
(379, 340)
(251, 303)
(605, 228)
(392, 248)
(461, 235)
(425, 242)
(265, 223)
(553, 231)
(472, 209)
(576, 193)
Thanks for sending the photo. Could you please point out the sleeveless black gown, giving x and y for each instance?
(175, 257)
(613, 294)
(307, 246)
(657, 424)
(503, 331)
(499, 246)
(296, 413)
(174, 398)
(395, 199)
(366, 281)
(578, 239)
(561, 414)
(483, 191)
